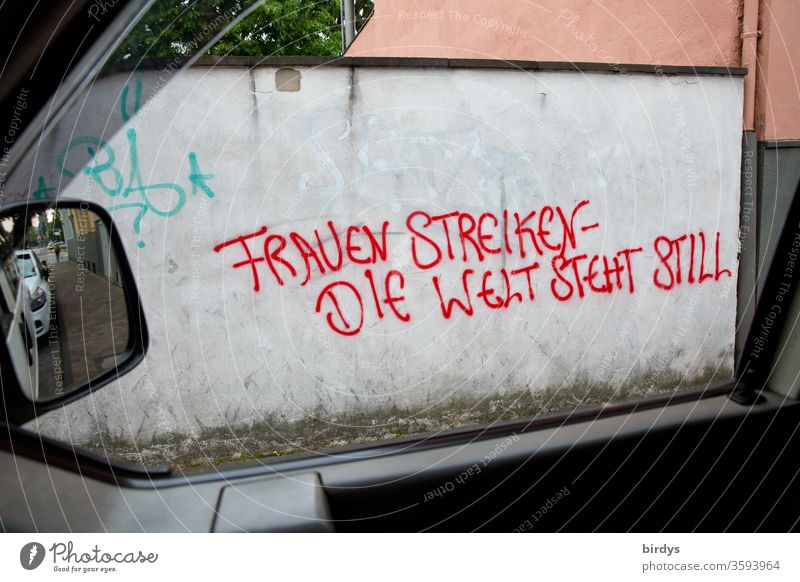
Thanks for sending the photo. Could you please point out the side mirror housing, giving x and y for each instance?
(76, 327)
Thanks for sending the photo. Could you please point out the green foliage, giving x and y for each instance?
(364, 9)
(276, 27)
(288, 27)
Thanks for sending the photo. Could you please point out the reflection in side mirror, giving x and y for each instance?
(69, 306)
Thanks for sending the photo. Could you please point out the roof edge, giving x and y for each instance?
(436, 63)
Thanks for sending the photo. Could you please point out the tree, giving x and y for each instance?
(275, 27)
(54, 224)
(364, 10)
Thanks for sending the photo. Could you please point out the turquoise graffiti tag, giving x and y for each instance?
(163, 199)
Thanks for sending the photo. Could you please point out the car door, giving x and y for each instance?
(18, 329)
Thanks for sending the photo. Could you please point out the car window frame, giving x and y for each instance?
(108, 469)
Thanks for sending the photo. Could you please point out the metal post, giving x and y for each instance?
(348, 22)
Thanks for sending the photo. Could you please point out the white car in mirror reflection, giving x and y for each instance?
(35, 276)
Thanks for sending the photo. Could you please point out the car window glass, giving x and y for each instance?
(333, 253)
(26, 266)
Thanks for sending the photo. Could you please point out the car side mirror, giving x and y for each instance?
(70, 328)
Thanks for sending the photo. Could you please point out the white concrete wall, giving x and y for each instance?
(653, 155)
